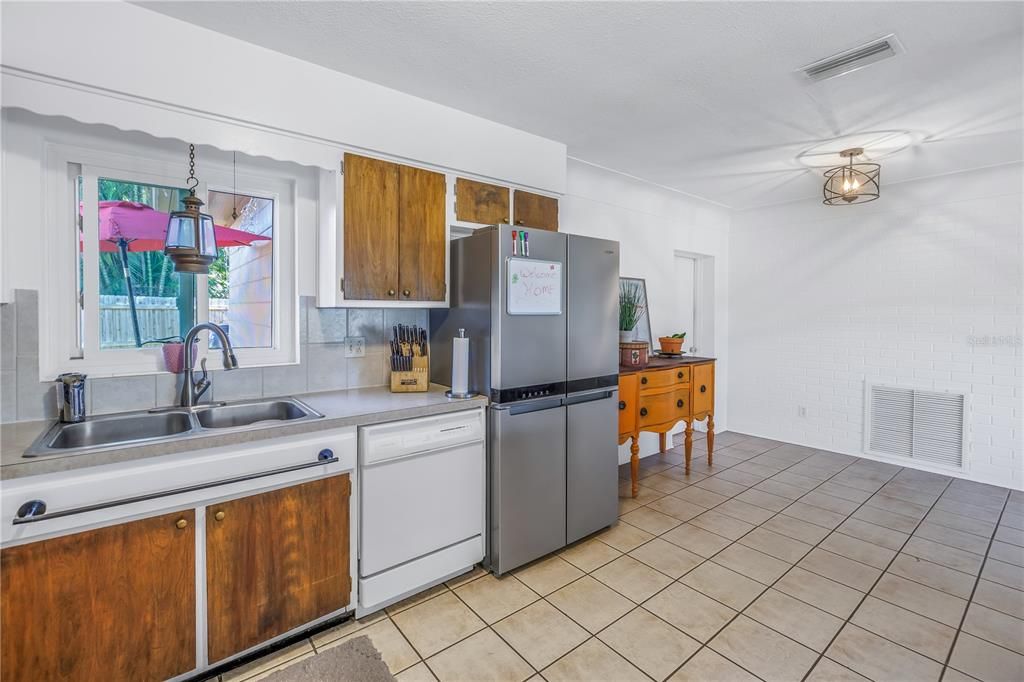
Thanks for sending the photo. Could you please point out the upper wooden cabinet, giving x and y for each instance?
(535, 210)
(422, 238)
(116, 603)
(275, 561)
(394, 232)
(479, 202)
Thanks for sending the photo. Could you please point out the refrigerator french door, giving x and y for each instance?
(592, 379)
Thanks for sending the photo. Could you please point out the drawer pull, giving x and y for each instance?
(643, 411)
(643, 380)
(679, 403)
(703, 388)
(679, 375)
(622, 404)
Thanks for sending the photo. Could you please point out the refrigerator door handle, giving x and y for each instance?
(589, 396)
(528, 406)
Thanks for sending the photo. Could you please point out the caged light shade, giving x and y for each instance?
(852, 183)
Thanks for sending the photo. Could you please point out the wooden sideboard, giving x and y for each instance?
(660, 396)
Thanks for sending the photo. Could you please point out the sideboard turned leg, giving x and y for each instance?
(711, 436)
(661, 442)
(689, 443)
(634, 464)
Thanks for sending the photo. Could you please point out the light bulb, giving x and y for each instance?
(856, 185)
(846, 185)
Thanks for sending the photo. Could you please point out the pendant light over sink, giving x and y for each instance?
(191, 242)
(853, 183)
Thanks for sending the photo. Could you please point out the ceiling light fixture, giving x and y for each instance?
(853, 183)
(190, 242)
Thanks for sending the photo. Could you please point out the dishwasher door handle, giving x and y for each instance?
(28, 513)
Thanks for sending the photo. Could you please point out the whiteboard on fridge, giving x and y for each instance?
(534, 287)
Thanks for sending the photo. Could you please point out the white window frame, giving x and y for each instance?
(58, 343)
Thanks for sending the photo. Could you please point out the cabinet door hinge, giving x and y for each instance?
(342, 284)
(341, 166)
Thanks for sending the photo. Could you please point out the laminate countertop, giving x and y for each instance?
(353, 407)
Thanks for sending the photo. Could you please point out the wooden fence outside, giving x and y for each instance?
(158, 318)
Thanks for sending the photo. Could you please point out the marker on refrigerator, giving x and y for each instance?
(526, 244)
(515, 243)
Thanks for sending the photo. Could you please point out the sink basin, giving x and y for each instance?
(111, 431)
(244, 414)
(104, 431)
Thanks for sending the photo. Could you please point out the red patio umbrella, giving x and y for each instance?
(128, 226)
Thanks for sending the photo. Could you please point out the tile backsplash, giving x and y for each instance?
(323, 365)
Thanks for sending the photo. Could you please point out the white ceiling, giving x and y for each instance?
(696, 96)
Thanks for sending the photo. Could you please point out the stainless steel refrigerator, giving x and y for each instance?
(543, 330)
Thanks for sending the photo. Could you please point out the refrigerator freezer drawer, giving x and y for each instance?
(592, 465)
(527, 483)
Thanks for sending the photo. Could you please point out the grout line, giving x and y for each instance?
(970, 600)
(875, 583)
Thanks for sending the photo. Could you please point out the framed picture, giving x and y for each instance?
(643, 326)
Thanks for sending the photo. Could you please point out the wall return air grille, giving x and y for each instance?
(923, 425)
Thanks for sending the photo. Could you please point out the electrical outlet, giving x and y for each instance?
(355, 346)
(801, 411)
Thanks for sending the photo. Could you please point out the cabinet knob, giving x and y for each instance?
(643, 411)
(519, 222)
(679, 375)
(643, 380)
(505, 219)
(679, 403)
(219, 516)
(622, 404)
(391, 292)
(703, 388)
(406, 293)
(181, 523)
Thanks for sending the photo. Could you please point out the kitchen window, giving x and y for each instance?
(115, 299)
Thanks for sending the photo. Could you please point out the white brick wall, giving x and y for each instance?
(899, 291)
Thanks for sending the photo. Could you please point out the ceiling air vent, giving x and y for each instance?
(923, 425)
(854, 59)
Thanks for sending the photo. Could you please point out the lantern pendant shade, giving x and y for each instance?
(191, 242)
(854, 183)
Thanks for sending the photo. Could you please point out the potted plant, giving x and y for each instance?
(631, 309)
(673, 345)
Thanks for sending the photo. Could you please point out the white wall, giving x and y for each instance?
(651, 224)
(824, 298)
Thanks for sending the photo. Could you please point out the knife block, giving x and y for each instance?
(415, 381)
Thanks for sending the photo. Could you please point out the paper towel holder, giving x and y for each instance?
(468, 394)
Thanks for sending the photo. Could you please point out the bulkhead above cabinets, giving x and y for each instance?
(386, 244)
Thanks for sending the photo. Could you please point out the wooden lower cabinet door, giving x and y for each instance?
(115, 603)
(275, 561)
(627, 403)
(703, 388)
(422, 238)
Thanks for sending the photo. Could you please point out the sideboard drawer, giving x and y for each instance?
(657, 409)
(661, 378)
(681, 403)
(681, 375)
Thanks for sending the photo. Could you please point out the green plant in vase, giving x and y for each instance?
(631, 309)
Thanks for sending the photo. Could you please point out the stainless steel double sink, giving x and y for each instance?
(114, 430)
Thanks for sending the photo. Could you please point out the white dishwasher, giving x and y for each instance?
(422, 511)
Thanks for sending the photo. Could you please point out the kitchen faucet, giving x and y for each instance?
(192, 390)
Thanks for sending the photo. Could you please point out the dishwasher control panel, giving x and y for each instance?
(398, 439)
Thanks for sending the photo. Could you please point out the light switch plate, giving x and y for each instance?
(355, 346)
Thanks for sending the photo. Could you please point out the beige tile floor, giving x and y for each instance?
(778, 563)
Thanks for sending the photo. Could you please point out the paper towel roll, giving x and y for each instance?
(460, 365)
